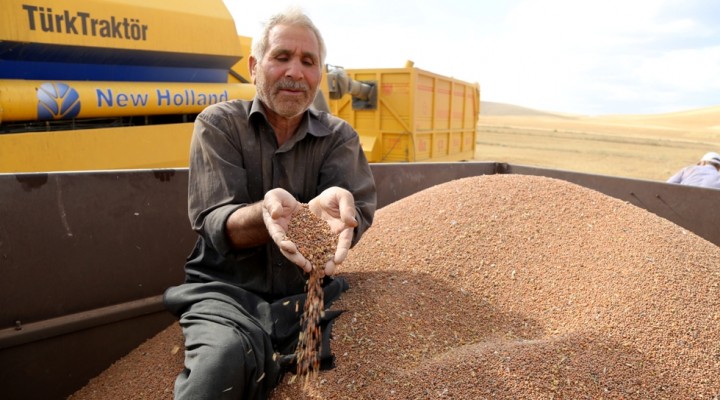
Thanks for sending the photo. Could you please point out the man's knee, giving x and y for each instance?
(219, 361)
(230, 351)
(218, 344)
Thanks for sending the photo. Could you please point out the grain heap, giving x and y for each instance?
(512, 286)
(147, 372)
(520, 287)
(317, 243)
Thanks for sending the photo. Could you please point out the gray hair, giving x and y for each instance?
(293, 17)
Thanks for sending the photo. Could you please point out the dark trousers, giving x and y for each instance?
(237, 345)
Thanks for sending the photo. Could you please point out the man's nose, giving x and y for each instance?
(295, 69)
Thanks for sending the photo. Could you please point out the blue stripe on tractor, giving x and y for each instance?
(98, 72)
(35, 61)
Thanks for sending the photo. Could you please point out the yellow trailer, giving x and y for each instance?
(416, 116)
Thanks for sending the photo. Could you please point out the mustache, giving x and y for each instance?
(291, 85)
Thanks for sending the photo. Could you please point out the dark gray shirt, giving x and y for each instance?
(235, 160)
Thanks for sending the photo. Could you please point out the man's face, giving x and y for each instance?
(288, 76)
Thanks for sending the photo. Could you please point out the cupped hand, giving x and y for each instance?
(278, 207)
(337, 207)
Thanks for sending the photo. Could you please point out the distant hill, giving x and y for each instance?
(707, 117)
(489, 108)
(694, 122)
(643, 146)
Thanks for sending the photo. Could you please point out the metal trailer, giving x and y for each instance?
(86, 256)
(412, 115)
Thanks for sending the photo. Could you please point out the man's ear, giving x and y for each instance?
(252, 64)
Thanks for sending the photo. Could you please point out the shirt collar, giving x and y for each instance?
(310, 123)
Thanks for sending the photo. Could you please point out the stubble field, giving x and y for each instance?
(650, 147)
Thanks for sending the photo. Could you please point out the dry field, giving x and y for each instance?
(651, 147)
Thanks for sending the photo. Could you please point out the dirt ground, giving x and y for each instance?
(651, 147)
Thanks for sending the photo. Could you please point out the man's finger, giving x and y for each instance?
(347, 211)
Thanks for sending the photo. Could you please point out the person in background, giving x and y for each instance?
(251, 164)
(706, 173)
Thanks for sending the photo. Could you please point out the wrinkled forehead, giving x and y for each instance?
(294, 39)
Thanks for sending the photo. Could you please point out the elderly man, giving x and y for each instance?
(252, 163)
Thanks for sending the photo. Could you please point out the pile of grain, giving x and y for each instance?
(148, 372)
(511, 286)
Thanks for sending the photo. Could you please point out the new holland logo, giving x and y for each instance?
(57, 101)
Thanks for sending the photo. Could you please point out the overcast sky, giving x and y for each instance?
(588, 57)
